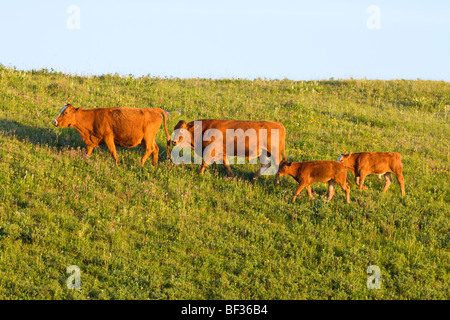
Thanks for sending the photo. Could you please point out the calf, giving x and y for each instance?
(308, 172)
(246, 139)
(380, 163)
(126, 127)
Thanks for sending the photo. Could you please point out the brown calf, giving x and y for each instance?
(379, 163)
(126, 127)
(308, 172)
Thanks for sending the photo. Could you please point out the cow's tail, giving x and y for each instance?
(163, 113)
(284, 144)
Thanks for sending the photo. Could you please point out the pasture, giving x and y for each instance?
(167, 233)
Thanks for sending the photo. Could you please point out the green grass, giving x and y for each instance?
(167, 233)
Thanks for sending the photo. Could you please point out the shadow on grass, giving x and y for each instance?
(41, 136)
(244, 172)
(60, 138)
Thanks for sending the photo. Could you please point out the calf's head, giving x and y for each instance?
(66, 116)
(343, 158)
(284, 168)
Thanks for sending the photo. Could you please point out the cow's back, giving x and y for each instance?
(127, 125)
(247, 127)
(222, 125)
(378, 162)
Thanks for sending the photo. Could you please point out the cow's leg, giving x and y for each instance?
(258, 173)
(109, 141)
(388, 178)
(89, 150)
(203, 167)
(331, 189)
(277, 176)
(265, 163)
(227, 166)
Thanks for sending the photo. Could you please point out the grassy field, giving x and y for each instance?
(167, 233)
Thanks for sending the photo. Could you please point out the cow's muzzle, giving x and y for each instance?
(55, 122)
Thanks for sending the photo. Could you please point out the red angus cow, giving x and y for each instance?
(248, 139)
(126, 127)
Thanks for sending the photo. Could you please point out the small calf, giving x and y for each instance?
(306, 173)
(379, 163)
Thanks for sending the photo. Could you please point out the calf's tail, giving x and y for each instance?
(349, 182)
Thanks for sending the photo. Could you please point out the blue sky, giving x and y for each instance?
(300, 40)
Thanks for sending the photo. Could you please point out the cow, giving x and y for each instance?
(246, 139)
(308, 172)
(126, 127)
(379, 163)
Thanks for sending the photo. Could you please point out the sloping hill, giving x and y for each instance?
(166, 233)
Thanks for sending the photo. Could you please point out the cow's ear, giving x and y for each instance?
(289, 164)
(79, 109)
(181, 124)
(193, 125)
(197, 126)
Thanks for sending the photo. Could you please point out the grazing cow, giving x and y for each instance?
(309, 172)
(380, 163)
(126, 127)
(246, 139)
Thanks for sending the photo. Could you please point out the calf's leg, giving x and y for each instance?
(388, 178)
(362, 177)
(346, 188)
(401, 181)
(331, 189)
(309, 192)
(155, 153)
(298, 190)
(147, 151)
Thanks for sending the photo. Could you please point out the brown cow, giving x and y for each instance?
(247, 139)
(126, 127)
(309, 172)
(380, 163)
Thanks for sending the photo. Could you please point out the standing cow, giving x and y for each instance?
(126, 127)
(246, 139)
(379, 163)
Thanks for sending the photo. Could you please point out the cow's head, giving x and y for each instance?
(344, 157)
(284, 168)
(66, 116)
(180, 133)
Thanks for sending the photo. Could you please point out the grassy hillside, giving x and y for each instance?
(167, 233)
